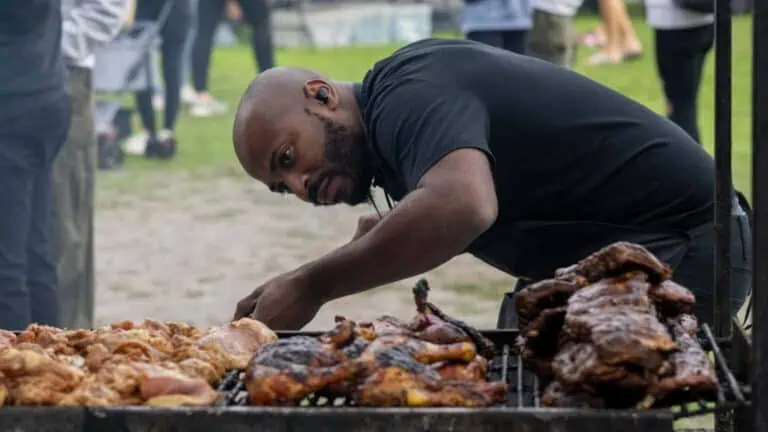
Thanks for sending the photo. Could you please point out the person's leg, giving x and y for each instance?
(492, 38)
(515, 40)
(72, 206)
(147, 10)
(17, 179)
(188, 94)
(550, 38)
(679, 62)
(42, 281)
(174, 34)
(256, 13)
(208, 15)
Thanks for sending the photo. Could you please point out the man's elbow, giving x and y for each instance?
(478, 217)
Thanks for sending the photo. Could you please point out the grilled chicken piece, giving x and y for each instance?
(430, 324)
(555, 395)
(238, 340)
(693, 371)
(671, 298)
(476, 370)
(394, 378)
(35, 377)
(616, 259)
(423, 351)
(7, 338)
(546, 294)
(286, 371)
(131, 383)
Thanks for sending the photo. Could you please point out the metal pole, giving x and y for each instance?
(723, 184)
(760, 205)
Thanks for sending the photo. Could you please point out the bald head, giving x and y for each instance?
(298, 132)
(269, 97)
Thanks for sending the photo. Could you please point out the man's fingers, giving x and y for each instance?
(244, 308)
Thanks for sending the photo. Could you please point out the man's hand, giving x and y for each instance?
(283, 303)
(365, 224)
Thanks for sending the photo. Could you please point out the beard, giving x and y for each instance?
(346, 155)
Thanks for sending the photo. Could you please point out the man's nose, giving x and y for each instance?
(299, 185)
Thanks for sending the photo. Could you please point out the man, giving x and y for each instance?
(87, 25)
(526, 165)
(34, 117)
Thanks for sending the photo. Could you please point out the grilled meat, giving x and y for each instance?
(693, 371)
(557, 396)
(616, 259)
(430, 324)
(607, 343)
(547, 294)
(671, 298)
(392, 377)
(475, 370)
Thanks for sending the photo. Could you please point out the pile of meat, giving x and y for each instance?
(151, 363)
(613, 331)
(433, 360)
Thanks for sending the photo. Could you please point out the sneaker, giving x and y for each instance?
(158, 102)
(188, 94)
(161, 147)
(137, 144)
(207, 108)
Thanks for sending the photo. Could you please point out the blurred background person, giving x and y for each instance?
(615, 38)
(34, 118)
(682, 40)
(86, 26)
(500, 23)
(209, 13)
(551, 38)
(162, 144)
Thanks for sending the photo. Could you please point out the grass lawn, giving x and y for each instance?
(205, 144)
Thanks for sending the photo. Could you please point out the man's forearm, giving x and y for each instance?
(422, 232)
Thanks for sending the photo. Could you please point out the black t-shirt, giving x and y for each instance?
(576, 165)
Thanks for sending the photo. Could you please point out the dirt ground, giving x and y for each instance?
(187, 249)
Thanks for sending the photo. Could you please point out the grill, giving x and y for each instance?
(525, 387)
(319, 413)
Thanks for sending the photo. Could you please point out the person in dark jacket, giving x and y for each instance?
(486, 152)
(34, 119)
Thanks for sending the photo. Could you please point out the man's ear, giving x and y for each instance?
(319, 91)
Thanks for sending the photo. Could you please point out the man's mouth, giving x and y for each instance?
(329, 191)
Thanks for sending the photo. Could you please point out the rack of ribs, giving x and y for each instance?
(614, 330)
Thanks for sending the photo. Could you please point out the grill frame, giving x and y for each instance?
(519, 416)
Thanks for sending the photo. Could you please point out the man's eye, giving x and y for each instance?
(285, 160)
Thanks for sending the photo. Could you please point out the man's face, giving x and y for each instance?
(319, 160)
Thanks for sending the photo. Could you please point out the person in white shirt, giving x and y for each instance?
(683, 38)
(86, 26)
(551, 37)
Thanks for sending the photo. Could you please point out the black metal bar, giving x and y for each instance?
(760, 206)
(723, 183)
(724, 180)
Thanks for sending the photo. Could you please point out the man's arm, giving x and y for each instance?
(90, 25)
(453, 204)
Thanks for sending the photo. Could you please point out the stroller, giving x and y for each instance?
(123, 65)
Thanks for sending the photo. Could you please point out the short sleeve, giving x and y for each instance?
(417, 124)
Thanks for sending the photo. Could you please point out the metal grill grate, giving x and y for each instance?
(525, 387)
